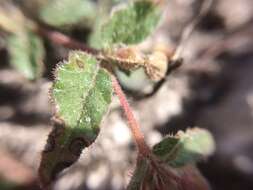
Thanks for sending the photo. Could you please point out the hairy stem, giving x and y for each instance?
(133, 124)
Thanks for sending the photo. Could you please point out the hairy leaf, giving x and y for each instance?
(172, 167)
(81, 94)
(131, 24)
(67, 12)
(26, 53)
(185, 148)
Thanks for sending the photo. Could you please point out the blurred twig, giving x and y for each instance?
(205, 7)
(227, 41)
(61, 39)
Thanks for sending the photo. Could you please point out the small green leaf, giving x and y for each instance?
(131, 24)
(185, 148)
(26, 53)
(172, 167)
(81, 94)
(67, 12)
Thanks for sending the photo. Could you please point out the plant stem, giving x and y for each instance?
(188, 30)
(144, 150)
(61, 39)
(133, 124)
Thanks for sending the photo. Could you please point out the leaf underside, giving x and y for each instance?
(81, 94)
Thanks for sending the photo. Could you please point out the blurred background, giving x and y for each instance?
(212, 89)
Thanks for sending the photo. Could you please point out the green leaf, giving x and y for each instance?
(60, 13)
(185, 148)
(26, 53)
(81, 94)
(173, 165)
(102, 14)
(131, 24)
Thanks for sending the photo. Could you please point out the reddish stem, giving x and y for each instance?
(133, 124)
(61, 39)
